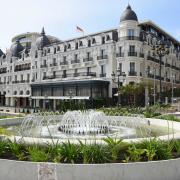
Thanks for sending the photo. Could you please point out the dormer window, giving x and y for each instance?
(107, 38)
(69, 46)
(89, 43)
(80, 43)
(103, 40)
(76, 46)
(93, 41)
(65, 48)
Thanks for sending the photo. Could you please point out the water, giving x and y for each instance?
(83, 125)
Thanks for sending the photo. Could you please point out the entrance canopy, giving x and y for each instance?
(60, 97)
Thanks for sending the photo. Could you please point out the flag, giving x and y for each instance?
(79, 29)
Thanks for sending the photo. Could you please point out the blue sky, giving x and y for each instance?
(60, 17)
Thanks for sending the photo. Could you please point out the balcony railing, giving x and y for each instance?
(102, 57)
(154, 59)
(141, 55)
(54, 64)
(64, 63)
(92, 74)
(132, 73)
(75, 61)
(132, 53)
(120, 55)
(88, 59)
(102, 75)
(167, 65)
(168, 80)
(44, 66)
(129, 38)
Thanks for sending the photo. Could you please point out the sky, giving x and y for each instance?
(60, 17)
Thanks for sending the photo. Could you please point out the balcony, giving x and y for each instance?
(87, 59)
(132, 54)
(102, 57)
(75, 61)
(102, 75)
(54, 64)
(120, 55)
(154, 59)
(44, 66)
(167, 65)
(168, 80)
(130, 38)
(141, 55)
(63, 63)
(132, 73)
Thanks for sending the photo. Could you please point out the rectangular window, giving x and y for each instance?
(28, 77)
(44, 74)
(132, 67)
(88, 69)
(120, 50)
(64, 58)
(131, 49)
(88, 55)
(130, 32)
(75, 57)
(103, 70)
(21, 77)
(120, 68)
(44, 62)
(102, 52)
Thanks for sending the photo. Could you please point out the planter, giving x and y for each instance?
(155, 170)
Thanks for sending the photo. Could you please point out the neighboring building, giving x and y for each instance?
(42, 70)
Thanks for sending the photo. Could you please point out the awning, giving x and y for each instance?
(60, 97)
(18, 96)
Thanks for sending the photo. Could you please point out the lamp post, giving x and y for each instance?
(119, 74)
(30, 103)
(172, 92)
(15, 104)
(154, 85)
(70, 96)
(161, 48)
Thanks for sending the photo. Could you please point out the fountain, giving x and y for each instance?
(86, 125)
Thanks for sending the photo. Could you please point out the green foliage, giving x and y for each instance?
(37, 154)
(69, 153)
(94, 153)
(112, 151)
(135, 154)
(156, 149)
(3, 147)
(17, 150)
(169, 117)
(114, 147)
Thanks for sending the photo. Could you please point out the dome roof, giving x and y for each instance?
(16, 48)
(128, 14)
(42, 40)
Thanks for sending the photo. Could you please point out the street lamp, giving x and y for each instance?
(70, 96)
(30, 103)
(154, 85)
(161, 49)
(172, 92)
(120, 74)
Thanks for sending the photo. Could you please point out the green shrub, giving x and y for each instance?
(37, 154)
